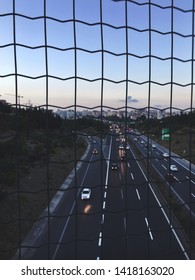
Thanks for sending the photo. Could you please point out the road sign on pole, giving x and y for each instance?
(165, 134)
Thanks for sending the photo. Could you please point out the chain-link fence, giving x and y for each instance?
(86, 85)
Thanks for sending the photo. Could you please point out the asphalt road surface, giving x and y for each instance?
(123, 219)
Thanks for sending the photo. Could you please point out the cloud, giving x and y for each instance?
(160, 107)
(130, 99)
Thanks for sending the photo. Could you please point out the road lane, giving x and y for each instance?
(185, 176)
(85, 223)
(163, 235)
(135, 226)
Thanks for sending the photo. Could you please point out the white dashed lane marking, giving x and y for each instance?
(151, 236)
(138, 195)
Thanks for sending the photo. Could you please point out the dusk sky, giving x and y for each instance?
(61, 61)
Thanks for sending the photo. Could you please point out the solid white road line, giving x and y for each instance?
(64, 229)
(86, 170)
(108, 164)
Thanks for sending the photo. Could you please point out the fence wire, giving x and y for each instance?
(18, 192)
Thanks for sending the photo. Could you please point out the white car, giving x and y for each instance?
(153, 146)
(165, 155)
(86, 193)
(173, 167)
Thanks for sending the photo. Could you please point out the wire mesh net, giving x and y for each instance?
(107, 85)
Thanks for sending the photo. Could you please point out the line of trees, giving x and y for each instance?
(174, 123)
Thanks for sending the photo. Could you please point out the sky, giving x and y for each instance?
(148, 65)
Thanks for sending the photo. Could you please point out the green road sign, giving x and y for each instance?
(165, 134)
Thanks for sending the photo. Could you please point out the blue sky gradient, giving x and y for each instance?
(61, 54)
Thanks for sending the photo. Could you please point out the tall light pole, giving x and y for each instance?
(19, 96)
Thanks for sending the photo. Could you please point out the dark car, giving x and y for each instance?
(123, 157)
(114, 166)
(170, 177)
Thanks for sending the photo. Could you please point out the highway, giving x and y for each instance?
(136, 225)
(123, 219)
(184, 185)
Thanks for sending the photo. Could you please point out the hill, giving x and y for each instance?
(37, 152)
